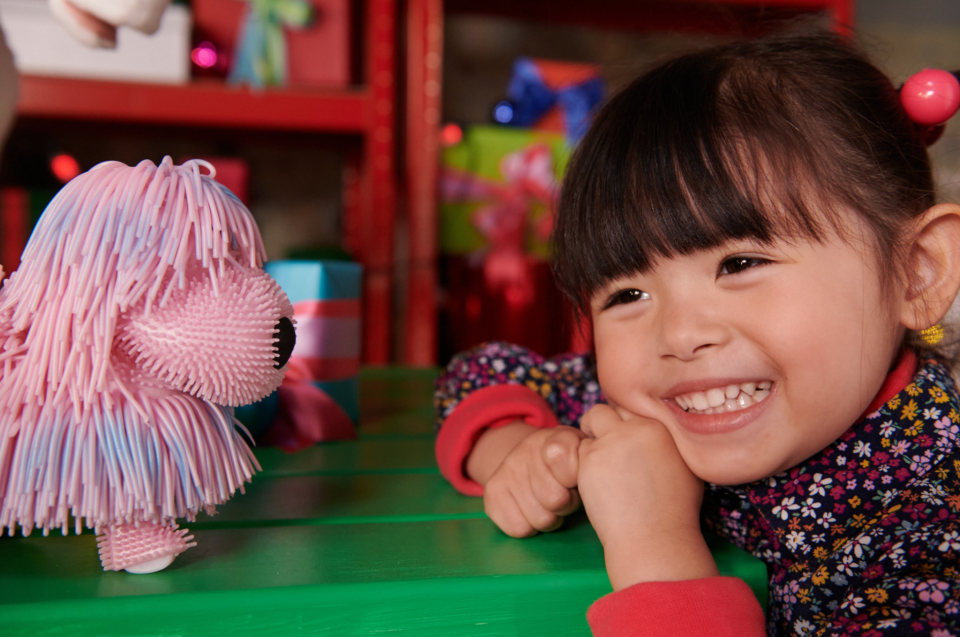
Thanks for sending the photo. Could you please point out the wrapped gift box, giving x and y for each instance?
(474, 176)
(498, 192)
(316, 55)
(326, 306)
(532, 312)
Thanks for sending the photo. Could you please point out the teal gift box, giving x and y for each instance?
(327, 311)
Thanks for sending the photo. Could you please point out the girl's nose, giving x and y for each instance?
(688, 328)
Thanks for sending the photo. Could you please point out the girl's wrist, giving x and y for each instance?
(665, 556)
(492, 447)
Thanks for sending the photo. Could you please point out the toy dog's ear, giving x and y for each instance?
(221, 340)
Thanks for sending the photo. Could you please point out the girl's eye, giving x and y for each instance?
(626, 296)
(735, 265)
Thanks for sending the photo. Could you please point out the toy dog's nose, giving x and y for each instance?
(286, 338)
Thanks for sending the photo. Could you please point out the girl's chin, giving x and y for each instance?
(727, 477)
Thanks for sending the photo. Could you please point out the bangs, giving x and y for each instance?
(689, 175)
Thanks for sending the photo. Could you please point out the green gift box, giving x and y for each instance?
(494, 167)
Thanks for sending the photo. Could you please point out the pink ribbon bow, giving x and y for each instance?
(502, 220)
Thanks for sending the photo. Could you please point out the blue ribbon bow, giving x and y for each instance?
(532, 98)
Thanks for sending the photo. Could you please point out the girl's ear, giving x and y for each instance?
(933, 275)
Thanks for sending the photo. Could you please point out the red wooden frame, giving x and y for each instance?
(424, 80)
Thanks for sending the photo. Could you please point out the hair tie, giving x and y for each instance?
(930, 98)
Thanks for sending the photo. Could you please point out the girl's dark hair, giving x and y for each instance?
(762, 139)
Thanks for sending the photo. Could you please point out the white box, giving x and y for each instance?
(42, 46)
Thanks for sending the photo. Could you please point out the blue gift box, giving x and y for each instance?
(326, 302)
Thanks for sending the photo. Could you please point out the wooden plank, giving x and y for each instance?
(361, 456)
(521, 605)
(199, 103)
(330, 498)
(60, 568)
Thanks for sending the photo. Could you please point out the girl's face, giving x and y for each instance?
(755, 357)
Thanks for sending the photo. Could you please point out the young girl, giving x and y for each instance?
(753, 231)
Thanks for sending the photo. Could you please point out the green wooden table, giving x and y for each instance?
(349, 538)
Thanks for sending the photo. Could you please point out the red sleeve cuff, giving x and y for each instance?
(715, 606)
(488, 407)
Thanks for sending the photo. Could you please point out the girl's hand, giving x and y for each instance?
(642, 500)
(533, 480)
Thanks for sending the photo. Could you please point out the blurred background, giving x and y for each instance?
(385, 140)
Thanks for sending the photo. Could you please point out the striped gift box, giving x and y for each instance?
(326, 303)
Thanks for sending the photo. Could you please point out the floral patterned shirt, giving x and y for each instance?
(567, 382)
(862, 539)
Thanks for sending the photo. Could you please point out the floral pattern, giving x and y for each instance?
(568, 382)
(861, 539)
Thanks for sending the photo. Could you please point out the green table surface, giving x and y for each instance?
(347, 538)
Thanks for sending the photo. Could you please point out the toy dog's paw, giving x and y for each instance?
(146, 548)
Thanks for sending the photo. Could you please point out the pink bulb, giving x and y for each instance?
(931, 97)
(205, 55)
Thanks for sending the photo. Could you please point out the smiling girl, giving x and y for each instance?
(754, 233)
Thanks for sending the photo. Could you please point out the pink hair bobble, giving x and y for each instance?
(930, 98)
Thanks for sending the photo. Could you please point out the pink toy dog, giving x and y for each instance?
(139, 315)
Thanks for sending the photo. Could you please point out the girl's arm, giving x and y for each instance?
(499, 409)
(642, 500)
(644, 503)
(496, 384)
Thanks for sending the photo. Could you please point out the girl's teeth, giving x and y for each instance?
(722, 399)
(716, 397)
(700, 402)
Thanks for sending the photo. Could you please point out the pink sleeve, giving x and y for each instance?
(715, 606)
(492, 406)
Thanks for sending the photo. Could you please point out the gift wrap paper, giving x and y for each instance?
(326, 305)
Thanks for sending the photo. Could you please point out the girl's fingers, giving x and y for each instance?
(537, 515)
(517, 511)
(506, 513)
(552, 496)
(599, 420)
(573, 504)
(559, 454)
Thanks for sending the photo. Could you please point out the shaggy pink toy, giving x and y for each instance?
(139, 316)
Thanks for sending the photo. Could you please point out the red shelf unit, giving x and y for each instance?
(424, 23)
(367, 112)
(210, 103)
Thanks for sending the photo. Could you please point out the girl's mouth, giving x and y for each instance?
(720, 400)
